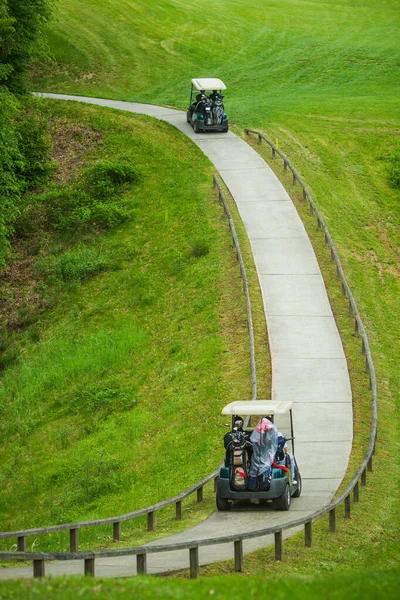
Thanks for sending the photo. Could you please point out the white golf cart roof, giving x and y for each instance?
(208, 83)
(257, 407)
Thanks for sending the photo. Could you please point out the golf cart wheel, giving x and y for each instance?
(283, 502)
(222, 503)
(297, 493)
(196, 127)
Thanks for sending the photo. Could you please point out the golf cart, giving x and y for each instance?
(258, 463)
(206, 111)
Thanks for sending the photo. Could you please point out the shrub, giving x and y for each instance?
(93, 201)
(10, 159)
(24, 159)
(104, 179)
(73, 265)
(36, 148)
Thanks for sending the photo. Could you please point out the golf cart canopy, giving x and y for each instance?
(208, 83)
(257, 407)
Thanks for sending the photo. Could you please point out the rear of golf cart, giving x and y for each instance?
(259, 464)
(206, 111)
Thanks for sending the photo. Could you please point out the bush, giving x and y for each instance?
(36, 148)
(11, 159)
(93, 201)
(24, 159)
(106, 178)
(72, 266)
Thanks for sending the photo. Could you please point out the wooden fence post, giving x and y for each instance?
(332, 520)
(38, 567)
(151, 521)
(308, 533)
(278, 545)
(347, 511)
(200, 494)
(21, 543)
(194, 562)
(178, 510)
(117, 531)
(364, 478)
(89, 566)
(238, 549)
(141, 564)
(356, 327)
(356, 493)
(73, 540)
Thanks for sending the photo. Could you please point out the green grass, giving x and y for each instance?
(322, 77)
(378, 586)
(144, 340)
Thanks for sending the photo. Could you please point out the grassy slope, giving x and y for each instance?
(162, 328)
(320, 76)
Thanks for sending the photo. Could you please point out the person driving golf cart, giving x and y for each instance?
(207, 113)
(283, 456)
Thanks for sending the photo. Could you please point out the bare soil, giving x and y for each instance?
(21, 289)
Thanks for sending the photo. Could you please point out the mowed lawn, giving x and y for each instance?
(323, 79)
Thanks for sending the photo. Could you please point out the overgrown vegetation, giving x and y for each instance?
(124, 326)
(24, 138)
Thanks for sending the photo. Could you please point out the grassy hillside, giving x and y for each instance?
(323, 78)
(126, 327)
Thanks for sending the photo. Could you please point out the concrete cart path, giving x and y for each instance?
(308, 362)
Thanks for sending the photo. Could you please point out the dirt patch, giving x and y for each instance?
(71, 143)
(383, 268)
(21, 289)
(20, 296)
(391, 267)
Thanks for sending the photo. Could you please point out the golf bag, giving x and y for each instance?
(237, 459)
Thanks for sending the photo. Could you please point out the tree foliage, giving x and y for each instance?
(20, 30)
(24, 141)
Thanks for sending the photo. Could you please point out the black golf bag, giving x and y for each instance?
(237, 458)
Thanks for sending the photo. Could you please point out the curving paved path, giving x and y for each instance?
(308, 362)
